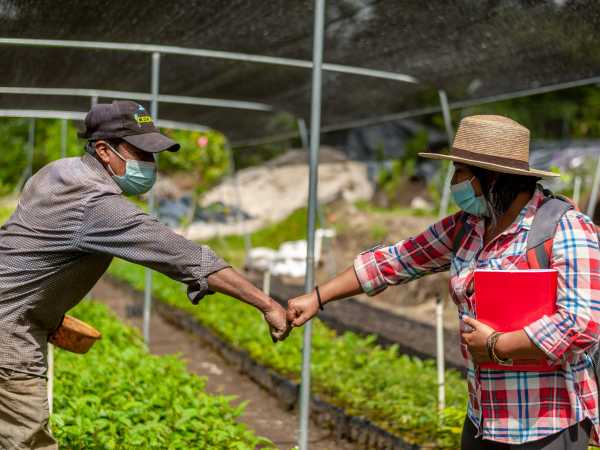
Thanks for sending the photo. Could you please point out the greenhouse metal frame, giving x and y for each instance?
(318, 67)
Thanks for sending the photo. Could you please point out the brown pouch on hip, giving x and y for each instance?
(74, 335)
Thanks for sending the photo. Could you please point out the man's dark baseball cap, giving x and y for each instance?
(129, 121)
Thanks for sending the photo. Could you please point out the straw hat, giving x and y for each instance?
(495, 143)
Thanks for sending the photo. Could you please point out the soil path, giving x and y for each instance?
(263, 413)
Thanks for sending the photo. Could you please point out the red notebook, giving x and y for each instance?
(508, 300)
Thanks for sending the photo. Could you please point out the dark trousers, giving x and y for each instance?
(576, 437)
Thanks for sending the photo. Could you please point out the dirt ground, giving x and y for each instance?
(362, 230)
(263, 412)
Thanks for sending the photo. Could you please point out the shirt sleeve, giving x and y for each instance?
(574, 328)
(115, 226)
(407, 260)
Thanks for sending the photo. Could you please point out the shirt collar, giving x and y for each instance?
(525, 218)
(96, 166)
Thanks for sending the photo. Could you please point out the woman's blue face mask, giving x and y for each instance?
(139, 176)
(465, 197)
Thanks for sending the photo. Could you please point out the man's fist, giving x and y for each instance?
(275, 316)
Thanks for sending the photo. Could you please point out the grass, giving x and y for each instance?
(5, 213)
(378, 232)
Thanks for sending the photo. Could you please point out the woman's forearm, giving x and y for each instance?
(344, 285)
(304, 307)
(517, 345)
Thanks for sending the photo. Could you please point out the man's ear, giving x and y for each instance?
(102, 151)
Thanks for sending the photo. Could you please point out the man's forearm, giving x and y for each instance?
(230, 282)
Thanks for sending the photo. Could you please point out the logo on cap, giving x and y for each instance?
(141, 116)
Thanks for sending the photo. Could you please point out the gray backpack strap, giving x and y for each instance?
(543, 228)
(539, 249)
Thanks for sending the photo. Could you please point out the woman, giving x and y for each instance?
(499, 197)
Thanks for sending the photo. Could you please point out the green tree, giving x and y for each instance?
(205, 155)
(14, 143)
(209, 162)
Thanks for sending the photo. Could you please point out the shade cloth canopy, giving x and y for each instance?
(472, 49)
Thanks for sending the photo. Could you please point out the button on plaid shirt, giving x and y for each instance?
(70, 221)
(508, 406)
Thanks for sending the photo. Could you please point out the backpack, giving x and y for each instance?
(539, 243)
(541, 234)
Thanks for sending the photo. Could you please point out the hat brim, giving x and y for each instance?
(492, 166)
(152, 142)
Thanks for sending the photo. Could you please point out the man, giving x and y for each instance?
(71, 220)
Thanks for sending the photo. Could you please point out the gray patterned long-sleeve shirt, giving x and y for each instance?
(70, 221)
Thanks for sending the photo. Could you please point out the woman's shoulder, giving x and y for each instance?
(575, 216)
(575, 224)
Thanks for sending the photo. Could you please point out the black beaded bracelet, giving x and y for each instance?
(319, 298)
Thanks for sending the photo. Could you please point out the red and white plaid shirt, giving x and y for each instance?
(508, 406)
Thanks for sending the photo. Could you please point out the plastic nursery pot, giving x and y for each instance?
(74, 335)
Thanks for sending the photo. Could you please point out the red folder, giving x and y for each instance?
(508, 300)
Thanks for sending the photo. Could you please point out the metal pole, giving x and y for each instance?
(76, 115)
(28, 167)
(439, 334)
(303, 134)
(576, 189)
(206, 53)
(50, 378)
(329, 256)
(31, 148)
(306, 146)
(315, 126)
(450, 134)
(50, 385)
(139, 96)
(63, 138)
(148, 272)
(238, 199)
(267, 281)
(594, 196)
(439, 305)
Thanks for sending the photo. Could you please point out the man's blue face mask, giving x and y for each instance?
(139, 176)
(465, 197)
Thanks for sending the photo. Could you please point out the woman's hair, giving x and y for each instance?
(501, 189)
